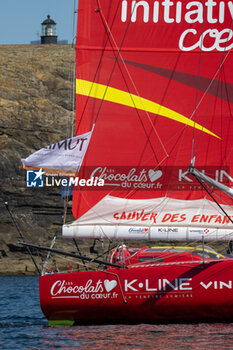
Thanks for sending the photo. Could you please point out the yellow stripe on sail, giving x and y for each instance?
(107, 93)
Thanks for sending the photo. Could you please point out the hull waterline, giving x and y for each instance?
(171, 292)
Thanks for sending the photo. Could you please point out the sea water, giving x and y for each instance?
(23, 326)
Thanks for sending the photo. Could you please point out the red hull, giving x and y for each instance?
(167, 292)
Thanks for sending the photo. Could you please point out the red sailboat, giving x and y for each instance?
(154, 84)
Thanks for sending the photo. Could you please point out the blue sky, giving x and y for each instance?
(20, 20)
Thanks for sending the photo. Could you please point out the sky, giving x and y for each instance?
(20, 20)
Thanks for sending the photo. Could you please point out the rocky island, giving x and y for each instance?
(35, 111)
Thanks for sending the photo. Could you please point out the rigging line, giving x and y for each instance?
(201, 132)
(70, 88)
(223, 59)
(170, 80)
(212, 81)
(203, 124)
(136, 109)
(105, 252)
(229, 154)
(210, 84)
(69, 129)
(127, 71)
(208, 87)
(209, 193)
(219, 239)
(73, 102)
(173, 137)
(109, 31)
(222, 199)
(74, 22)
(193, 156)
(77, 247)
(94, 79)
(179, 145)
(160, 163)
(70, 104)
(56, 251)
(198, 82)
(105, 234)
(131, 192)
(133, 102)
(119, 54)
(227, 94)
(68, 259)
(137, 189)
(21, 235)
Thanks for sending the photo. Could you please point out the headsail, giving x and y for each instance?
(157, 79)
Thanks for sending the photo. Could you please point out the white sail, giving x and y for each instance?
(152, 219)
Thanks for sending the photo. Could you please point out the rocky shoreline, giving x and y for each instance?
(35, 111)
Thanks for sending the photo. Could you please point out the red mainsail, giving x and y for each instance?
(155, 77)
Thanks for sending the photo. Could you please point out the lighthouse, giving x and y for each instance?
(49, 31)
